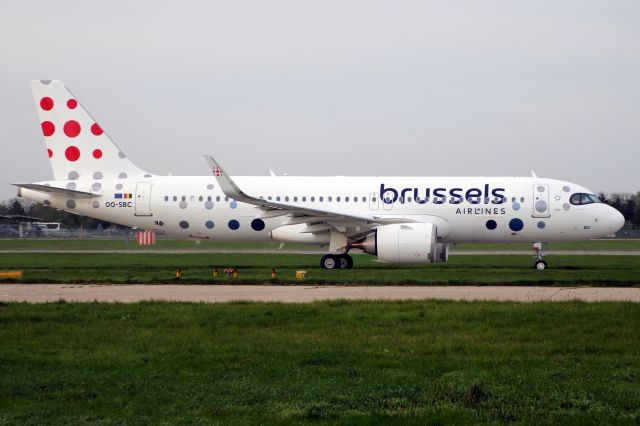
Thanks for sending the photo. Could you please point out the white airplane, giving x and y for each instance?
(398, 219)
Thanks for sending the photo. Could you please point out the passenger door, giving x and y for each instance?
(143, 199)
(541, 204)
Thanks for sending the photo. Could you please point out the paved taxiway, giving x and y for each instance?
(37, 293)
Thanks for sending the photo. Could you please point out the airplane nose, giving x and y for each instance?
(616, 220)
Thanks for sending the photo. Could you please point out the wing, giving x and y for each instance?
(351, 225)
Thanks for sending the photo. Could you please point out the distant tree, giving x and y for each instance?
(636, 213)
(16, 207)
(629, 209)
(602, 196)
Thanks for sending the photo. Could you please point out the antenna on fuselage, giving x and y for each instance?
(533, 174)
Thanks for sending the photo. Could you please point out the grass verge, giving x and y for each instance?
(328, 362)
(158, 268)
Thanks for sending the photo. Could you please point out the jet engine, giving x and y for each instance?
(404, 243)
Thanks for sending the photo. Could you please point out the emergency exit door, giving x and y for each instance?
(143, 199)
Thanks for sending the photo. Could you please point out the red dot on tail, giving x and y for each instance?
(72, 153)
(72, 128)
(96, 129)
(72, 104)
(97, 153)
(50, 153)
(46, 103)
(48, 128)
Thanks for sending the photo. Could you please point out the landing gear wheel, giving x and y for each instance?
(345, 261)
(329, 261)
(540, 265)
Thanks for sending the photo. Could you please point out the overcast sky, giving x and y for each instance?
(412, 88)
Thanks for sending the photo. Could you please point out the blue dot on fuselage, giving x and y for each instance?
(209, 224)
(491, 224)
(541, 225)
(233, 204)
(516, 206)
(516, 224)
(257, 224)
(234, 224)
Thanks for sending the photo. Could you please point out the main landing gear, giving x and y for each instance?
(336, 261)
(540, 263)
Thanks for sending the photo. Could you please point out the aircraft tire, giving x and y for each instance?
(345, 261)
(329, 261)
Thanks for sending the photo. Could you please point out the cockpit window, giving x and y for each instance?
(582, 199)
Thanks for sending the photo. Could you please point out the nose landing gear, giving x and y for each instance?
(540, 264)
(336, 261)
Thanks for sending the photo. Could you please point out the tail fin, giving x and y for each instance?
(76, 144)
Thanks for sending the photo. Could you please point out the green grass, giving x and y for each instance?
(256, 269)
(122, 243)
(611, 244)
(329, 362)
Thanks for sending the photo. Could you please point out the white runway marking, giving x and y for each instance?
(38, 293)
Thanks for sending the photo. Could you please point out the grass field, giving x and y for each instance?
(328, 362)
(129, 244)
(256, 269)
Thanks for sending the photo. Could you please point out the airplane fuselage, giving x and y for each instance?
(465, 209)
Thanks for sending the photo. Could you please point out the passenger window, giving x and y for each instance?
(278, 198)
(304, 199)
(338, 199)
(226, 198)
(218, 198)
(364, 199)
(295, 198)
(355, 199)
(175, 198)
(313, 199)
(208, 198)
(329, 199)
(166, 198)
(286, 198)
(321, 199)
(269, 198)
(184, 198)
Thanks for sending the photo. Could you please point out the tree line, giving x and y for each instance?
(626, 203)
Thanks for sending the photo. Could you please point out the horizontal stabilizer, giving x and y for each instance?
(56, 190)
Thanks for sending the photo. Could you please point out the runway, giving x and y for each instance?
(40, 293)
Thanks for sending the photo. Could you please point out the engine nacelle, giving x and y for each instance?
(404, 243)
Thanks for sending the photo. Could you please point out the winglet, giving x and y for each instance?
(227, 185)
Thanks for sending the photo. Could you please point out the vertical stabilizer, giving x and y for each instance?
(76, 144)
